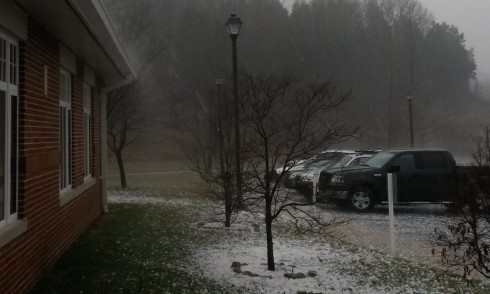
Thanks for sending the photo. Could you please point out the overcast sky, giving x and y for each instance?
(472, 17)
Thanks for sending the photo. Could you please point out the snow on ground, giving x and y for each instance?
(136, 196)
(337, 267)
(414, 229)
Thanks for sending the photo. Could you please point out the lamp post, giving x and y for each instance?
(409, 100)
(224, 174)
(233, 24)
(219, 82)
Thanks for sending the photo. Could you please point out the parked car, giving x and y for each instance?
(424, 176)
(292, 167)
(286, 173)
(306, 180)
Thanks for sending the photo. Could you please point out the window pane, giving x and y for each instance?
(3, 60)
(13, 64)
(3, 96)
(62, 148)
(406, 162)
(89, 140)
(14, 154)
(65, 130)
(433, 160)
(65, 88)
(86, 143)
(87, 101)
(69, 143)
(86, 98)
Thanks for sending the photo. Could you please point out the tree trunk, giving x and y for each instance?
(228, 199)
(120, 164)
(270, 245)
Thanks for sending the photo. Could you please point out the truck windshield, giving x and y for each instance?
(379, 159)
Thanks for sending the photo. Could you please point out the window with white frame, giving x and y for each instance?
(9, 117)
(87, 133)
(65, 131)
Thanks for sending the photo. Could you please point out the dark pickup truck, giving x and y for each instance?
(423, 176)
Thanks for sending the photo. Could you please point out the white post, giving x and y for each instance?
(392, 194)
(313, 195)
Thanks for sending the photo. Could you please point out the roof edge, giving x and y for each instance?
(116, 54)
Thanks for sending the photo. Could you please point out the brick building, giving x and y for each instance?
(58, 58)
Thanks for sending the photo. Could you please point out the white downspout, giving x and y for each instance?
(103, 136)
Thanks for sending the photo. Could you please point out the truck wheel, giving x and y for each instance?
(361, 199)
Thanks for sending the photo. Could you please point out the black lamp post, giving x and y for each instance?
(409, 100)
(233, 24)
(219, 82)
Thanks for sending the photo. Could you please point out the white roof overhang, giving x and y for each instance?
(84, 27)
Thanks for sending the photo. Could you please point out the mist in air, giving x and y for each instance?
(379, 50)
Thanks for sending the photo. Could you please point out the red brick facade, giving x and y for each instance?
(51, 225)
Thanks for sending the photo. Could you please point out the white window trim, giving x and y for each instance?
(87, 131)
(10, 90)
(66, 105)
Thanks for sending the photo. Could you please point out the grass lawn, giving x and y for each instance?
(154, 247)
(137, 248)
(133, 247)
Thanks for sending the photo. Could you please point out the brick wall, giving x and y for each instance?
(51, 228)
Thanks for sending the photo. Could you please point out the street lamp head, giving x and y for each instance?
(409, 95)
(219, 79)
(233, 24)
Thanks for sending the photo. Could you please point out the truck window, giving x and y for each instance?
(379, 159)
(355, 162)
(405, 161)
(433, 160)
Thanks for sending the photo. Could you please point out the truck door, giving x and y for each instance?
(436, 177)
(406, 176)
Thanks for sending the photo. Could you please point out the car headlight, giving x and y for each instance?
(337, 179)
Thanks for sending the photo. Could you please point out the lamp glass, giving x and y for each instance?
(234, 23)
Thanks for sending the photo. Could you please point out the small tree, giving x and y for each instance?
(124, 119)
(466, 242)
(285, 120)
(209, 148)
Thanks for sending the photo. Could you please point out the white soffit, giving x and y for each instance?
(13, 19)
(85, 29)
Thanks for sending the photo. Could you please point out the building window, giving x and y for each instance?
(65, 131)
(9, 117)
(87, 132)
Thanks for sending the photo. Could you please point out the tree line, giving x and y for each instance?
(381, 49)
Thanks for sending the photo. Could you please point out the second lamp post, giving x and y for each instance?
(233, 24)
(410, 118)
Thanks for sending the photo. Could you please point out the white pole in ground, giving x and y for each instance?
(392, 194)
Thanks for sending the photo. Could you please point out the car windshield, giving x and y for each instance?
(341, 161)
(320, 163)
(379, 159)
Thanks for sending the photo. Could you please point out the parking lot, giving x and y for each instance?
(414, 228)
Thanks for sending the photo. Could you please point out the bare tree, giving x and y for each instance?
(466, 242)
(124, 119)
(208, 146)
(285, 120)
